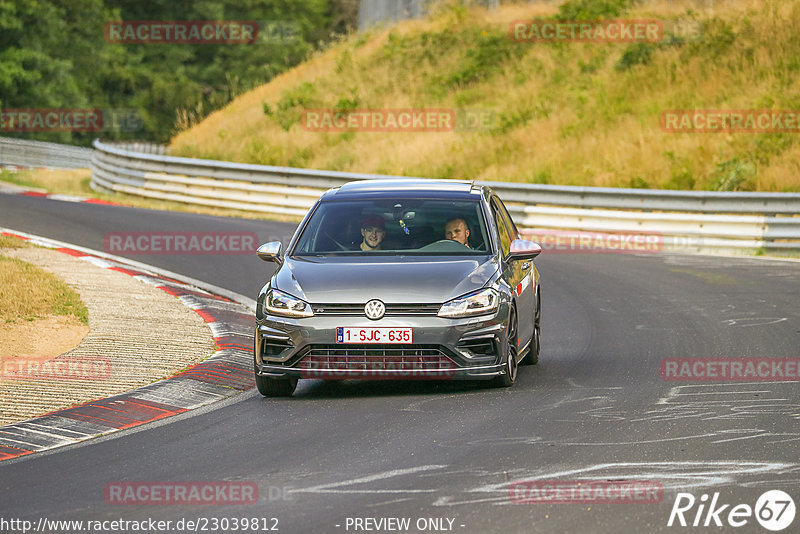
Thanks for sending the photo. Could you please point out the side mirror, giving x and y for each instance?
(270, 252)
(524, 250)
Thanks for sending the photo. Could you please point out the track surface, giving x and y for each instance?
(595, 406)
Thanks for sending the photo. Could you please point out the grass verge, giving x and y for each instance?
(28, 292)
(565, 113)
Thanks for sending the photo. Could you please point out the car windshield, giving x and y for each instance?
(395, 227)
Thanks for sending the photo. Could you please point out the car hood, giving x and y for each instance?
(418, 280)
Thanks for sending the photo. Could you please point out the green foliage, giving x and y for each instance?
(292, 103)
(681, 180)
(53, 54)
(486, 57)
(348, 104)
(734, 175)
(509, 120)
(716, 39)
(541, 177)
(635, 54)
(766, 146)
(637, 182)
(594, 63)
(344, 61)
(301, 157)
(592, 9)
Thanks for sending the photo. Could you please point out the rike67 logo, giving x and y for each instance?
(774, 510)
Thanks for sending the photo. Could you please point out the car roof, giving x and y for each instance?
(407, 187)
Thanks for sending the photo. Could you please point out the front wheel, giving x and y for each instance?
(508, 378)
(275, 387)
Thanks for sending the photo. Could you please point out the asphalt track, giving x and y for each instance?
(595, 406)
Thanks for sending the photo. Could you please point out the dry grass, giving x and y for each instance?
(566, 113)
(7, 241)
(28, 292)
(68, 182)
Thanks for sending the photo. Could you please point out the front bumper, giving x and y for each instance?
(442, 349)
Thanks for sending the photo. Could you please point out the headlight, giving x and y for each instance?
(280, 303)
(478, 303)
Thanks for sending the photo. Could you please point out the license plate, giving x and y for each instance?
(373, 335)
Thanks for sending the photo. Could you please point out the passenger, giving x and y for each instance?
(456, 229)
(373, 230)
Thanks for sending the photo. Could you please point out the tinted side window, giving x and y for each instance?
(512, 228)
(505, 236)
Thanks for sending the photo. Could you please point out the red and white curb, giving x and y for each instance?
(227, 372)
(66, 198)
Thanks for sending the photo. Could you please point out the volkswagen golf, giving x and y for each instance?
(399, 279)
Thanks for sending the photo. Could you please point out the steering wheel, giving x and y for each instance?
(335, 242)
(446, 243)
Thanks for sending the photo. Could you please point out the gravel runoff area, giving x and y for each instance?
(137, 334)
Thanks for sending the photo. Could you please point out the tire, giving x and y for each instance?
(508, 378)
(275, 387)
(532, 358)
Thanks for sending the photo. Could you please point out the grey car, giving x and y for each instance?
(399, 279)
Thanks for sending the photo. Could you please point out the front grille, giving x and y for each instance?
(376, 359)
(391, 309)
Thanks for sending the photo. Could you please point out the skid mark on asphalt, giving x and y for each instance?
(724, 404)
(416, 405)
(574, 384)
(672, 475)
(341, 487)
(754, 321)
(739, 401)
(473, 486)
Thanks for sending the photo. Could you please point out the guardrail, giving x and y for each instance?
(685, 220)
(22, 153)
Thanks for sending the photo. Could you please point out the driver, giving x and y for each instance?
(373, 230)
(456, 229)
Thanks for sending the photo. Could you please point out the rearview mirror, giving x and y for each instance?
(524, 250)
(270, 252)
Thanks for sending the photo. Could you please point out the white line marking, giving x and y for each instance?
(328, 488)
(96, 261)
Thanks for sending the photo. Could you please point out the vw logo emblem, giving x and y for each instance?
(374, 309)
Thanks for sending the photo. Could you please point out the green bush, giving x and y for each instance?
(635, 54)
(734, 175)
(681, 180)
(293, 102)
(592, 9)
(348, 104)
(484, 59)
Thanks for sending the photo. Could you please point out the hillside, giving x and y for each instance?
(580, 113)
